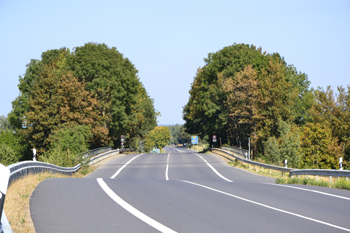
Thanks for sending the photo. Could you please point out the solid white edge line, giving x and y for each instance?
(167, 168)
(120, 169)
(310, 190)
(131, 209)
(269, 207)
(214, 170)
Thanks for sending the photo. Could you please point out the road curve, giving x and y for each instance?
(183, 191)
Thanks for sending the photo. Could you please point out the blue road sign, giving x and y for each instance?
(194, 139)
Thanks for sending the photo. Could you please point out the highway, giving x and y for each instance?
(183, 191)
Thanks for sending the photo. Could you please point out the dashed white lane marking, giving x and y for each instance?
(120, 169)
(167, 168)
(269, 207)
(160, 227)
(310, 190)
(214, 170)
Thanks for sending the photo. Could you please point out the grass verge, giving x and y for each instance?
(258, 170)
(341, 183)
(18, 195)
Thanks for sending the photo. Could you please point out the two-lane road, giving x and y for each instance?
(184, 191)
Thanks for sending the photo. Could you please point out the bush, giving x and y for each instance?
(272, 151)
(7, 155)
(342, 184)
(66, 145)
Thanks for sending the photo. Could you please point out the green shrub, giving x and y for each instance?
(342, 184)
(7, 155)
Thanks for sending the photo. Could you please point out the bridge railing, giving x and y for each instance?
(292, 171)
(239, 151)
(20, 169)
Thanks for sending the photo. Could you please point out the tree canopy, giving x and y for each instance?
(93, 86)
(158, 137)
(242, 92)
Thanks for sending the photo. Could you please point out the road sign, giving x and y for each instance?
(214, 139)
(214, 136)
(194, 139)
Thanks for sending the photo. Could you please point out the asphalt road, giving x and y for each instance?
(183, 191)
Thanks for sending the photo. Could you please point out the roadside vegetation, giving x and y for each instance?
(342, 183)
(258, 170)
(18, 196)
(178, 135)
(244, 92)
(73, 101)
(157, 138)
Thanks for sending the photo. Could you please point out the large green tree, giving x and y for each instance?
(108, 87)
(58, 98)
(241, 92)
(113, 81)
(158, 137)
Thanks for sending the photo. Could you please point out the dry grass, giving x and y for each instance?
(258, 170)
(18, 196)
(198, 148)
(19, 193)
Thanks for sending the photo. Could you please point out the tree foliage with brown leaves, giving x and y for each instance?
(58, 98)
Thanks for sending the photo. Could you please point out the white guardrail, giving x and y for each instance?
(292, 171)
(24, 168)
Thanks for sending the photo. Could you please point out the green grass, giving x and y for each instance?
(342, 183)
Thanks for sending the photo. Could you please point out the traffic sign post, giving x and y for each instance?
(194, 140)
(214, 138)
(122, 139)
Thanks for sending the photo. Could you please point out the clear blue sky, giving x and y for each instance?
(167, 40)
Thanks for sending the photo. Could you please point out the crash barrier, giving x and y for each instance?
(90, 153)
(24, 168)
(236, 150)
(232, 156)
(127, 150)
(32, 167)
(292, 171)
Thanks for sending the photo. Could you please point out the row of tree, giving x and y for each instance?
(92, 93)
(178, 134)
(242, 92)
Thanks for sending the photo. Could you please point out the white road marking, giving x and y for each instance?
(120, 169)
(167, 168)
(270, 207)
(310, 190)
(214, 170)
(160, 227)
